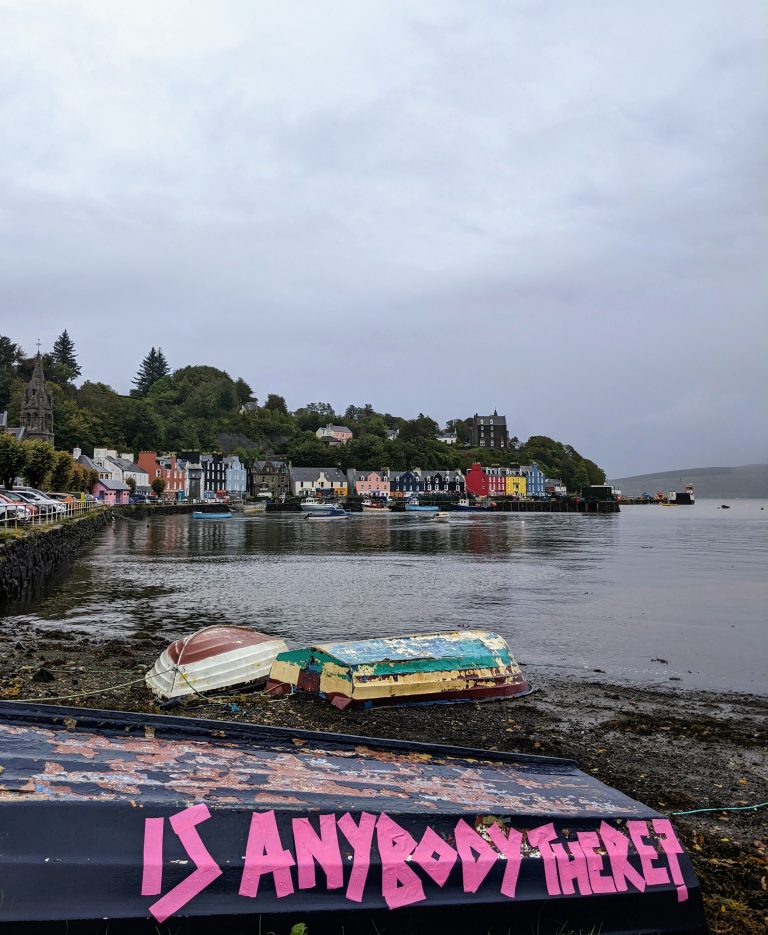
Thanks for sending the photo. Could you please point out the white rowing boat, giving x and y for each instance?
(213, 658)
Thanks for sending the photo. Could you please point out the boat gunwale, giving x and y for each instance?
(211, 729)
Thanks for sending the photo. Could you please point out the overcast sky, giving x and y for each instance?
(557, 210)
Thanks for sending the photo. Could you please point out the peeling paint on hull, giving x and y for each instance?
(430, 668)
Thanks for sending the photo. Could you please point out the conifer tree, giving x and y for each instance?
(153, 368)
(64, 358)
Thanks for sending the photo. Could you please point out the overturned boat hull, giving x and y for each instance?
(214, 658)
(427, 668)
(152, 821)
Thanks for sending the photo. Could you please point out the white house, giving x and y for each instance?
(121, 467)
(306, 482)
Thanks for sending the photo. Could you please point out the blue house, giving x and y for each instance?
(535, 481)
(405, 483)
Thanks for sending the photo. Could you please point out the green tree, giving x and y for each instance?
(158, 486)
(580, 477)
(243, 391)
(13, 458)
(64, 359)
(276, 403)
(10, 357)
(41, 457)
(153, 368)
(61, 473)
(421, 427)
(130, 483)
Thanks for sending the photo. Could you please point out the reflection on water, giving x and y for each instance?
(576, 593)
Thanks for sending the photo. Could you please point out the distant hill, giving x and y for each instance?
(749, 480)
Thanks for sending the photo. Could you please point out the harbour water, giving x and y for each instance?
(675, 596)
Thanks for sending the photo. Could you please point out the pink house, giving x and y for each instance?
(334, 434)
(111, 491)
(371, 483)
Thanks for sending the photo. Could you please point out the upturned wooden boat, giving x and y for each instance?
(133, 823)
(463, 665)
(213, 658)
(201, 514)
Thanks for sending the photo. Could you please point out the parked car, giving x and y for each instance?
(37, 496)
(35, 509)
(13, 513)
(138, 498)
(65, 498)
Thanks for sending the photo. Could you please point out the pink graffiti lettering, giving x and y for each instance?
(618, 848)
(590, 845)
(509, 845)
(152, 872)
(672, 848)
(323, 848)
(438, 868)
(206, 869)
(541, 838)
(647, 854)
(572, 869)
(474, 871)
(264, 853)
(400, 885)
(360, 837)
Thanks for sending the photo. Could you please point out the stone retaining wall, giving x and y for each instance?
(27, 563)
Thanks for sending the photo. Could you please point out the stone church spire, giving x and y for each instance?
(37, 408)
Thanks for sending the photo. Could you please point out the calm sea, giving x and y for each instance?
(672, 596)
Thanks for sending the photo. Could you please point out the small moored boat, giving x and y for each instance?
(467, 506)
(311, 504)
(370, 506)
(413, 506)
(258, 507)
(201, 514)
(213, 658)
(442, 516)
(328, 512)
(465, 665)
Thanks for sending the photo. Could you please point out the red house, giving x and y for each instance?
(486, 482)
(167, 468)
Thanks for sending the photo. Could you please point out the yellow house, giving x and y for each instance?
(514, 485)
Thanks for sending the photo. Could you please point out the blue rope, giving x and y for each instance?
(725, 808)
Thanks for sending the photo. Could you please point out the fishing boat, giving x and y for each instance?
(468, 506)
(427, 668)
(310, 504)
(413, 506)
(213, 658)
(370, 506)
(154, 822)
(329, 511)
(201, 514)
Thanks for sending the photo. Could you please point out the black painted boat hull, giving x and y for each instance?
(181, 825)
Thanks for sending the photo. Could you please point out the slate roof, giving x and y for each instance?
(311, 474)
(110, 484)
(125, 465)
(259, 465)
(497, 419)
